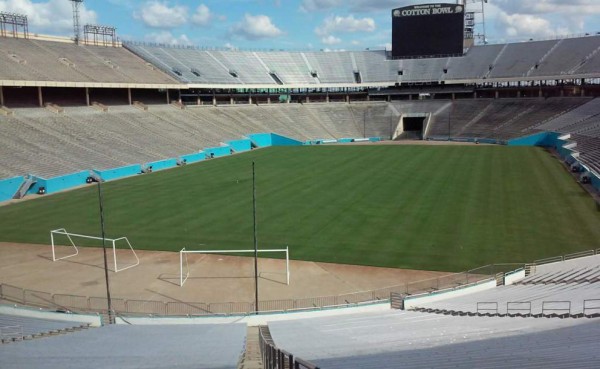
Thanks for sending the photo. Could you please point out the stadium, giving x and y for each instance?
(432, 205)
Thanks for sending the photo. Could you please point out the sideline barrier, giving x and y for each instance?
(10, 186)
(217, 152)
(176, 308)
(118, 173)
(61, 183)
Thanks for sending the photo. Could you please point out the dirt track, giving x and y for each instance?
(213, 278)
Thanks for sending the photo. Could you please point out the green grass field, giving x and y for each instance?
(424, 207)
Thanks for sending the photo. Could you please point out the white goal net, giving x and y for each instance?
(184, 270)
(112, 241)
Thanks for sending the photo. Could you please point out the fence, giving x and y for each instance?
(275, 358)
(176, 308)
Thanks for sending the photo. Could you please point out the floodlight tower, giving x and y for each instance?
(76, 30)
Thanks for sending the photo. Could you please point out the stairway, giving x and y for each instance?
(252, 358)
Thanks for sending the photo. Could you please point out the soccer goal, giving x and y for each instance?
(112, 241)
(184, 270)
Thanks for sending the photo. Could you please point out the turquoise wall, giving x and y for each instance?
(194, 158)
(217, 151)
(261, 139)
(278, 140)
(240, 145)
(539, 139)
(61, 183)
(116, 173)
(9, 186)
(162, 164)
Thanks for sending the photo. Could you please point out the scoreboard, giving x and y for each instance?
(428, 30)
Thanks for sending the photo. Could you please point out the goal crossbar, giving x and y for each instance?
(113, 241)
(183, 259)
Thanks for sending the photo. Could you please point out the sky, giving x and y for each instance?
(294, 24)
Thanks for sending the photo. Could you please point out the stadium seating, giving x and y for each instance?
(59, 61)
(554, 58)
(33, 327)
(123, 346)
(47, 144)
(421, 340)
(557, 288)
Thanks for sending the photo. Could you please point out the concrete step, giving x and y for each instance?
(252, 358)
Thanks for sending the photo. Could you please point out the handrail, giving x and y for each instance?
(514, 306)
(564, 309)
(276, 358)
(482, 306)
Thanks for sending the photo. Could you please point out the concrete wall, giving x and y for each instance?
(278, 140)
(216, 152)
(240, 145)
(514, 277)
(162, 164)
(261, 139)
(415, 301)
(117, 173)
(93, 319)
(61, 183)
(194, 158)
(538, 139)
(9, 186)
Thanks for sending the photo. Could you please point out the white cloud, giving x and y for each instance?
(354, 5)
(525, 25)
(330, 40)
(157, 14)
(577, 7)
(337, 24)
(52, 16)
(229, 46)
(203, 16)
(314, 5)
(166, 37)
(255, 27)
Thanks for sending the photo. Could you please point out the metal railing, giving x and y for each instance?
(518, 308)
(77, 303)
(575, 255)
(275, 358)
(487, 307)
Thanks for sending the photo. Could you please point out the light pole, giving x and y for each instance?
(109, 301)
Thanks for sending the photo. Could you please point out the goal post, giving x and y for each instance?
(184, 270)
(112, 241)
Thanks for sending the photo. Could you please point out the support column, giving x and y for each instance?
(496, 94)
(410, 96)
(389, 98)
(214, 99)
(87, 96)
(1, 95)
(540, 93)
(475, 94)
(368, 97)
(230, 100)
(168, 97)
(307, 99)
(198, 100)
(268, 100)
(40, 97)
(519, 93)
(129, 96)
(453, 96)
(327, 96)
(249, 99)
(179, 96)
(347, 99)
(562, 92)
